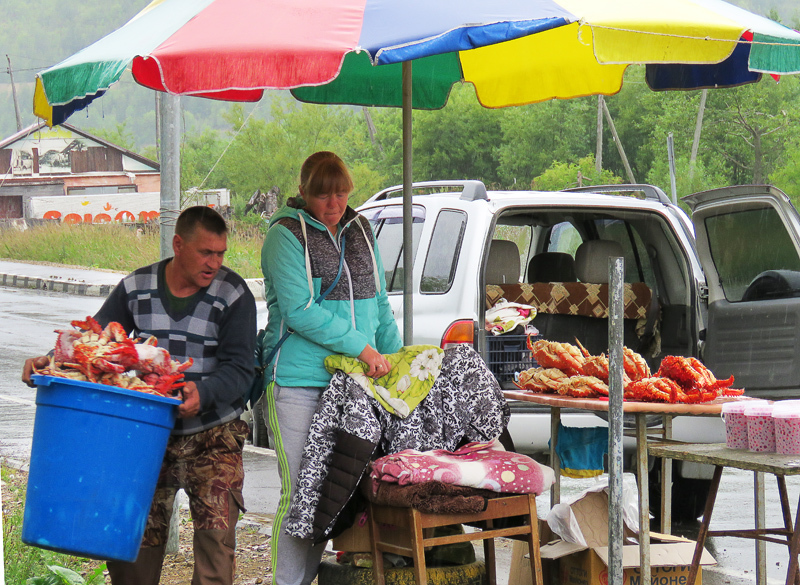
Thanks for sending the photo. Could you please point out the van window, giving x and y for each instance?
(564, 238)
(747, 243)
(387, 223)
(637, 262)
(440, 265)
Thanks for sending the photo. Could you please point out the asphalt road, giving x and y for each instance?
(29, 318)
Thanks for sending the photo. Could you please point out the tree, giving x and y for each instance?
(459, 141)
(749, 125)
(536, 136)
(563, 175)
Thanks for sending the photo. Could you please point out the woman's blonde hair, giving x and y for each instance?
(324, 172)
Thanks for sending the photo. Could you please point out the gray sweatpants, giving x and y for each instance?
(295, 561)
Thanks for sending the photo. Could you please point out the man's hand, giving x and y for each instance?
(191, 401)
(27, 370)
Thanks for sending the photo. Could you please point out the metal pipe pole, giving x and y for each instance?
(170, 113)
(616, 273)
(408, 218)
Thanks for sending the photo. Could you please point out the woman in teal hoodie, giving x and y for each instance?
(317, 246)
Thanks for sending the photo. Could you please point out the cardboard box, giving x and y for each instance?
(520, 570)
(670, 556)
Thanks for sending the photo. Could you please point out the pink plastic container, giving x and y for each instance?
(760, 428)
(736, 422)
(786, 416)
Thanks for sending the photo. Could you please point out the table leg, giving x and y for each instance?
(787, 517)
(701, 536)
(761, 523)
(555, 462)
(794, 549)
(666, 482)
(644, 496)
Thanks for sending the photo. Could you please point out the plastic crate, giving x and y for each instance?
(507, 355)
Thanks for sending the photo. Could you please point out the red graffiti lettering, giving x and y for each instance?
(72, 218)
(102, 218)
(52, 215)
(146, 216)
(124, 216)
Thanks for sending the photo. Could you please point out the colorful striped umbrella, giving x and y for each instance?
(350, 51)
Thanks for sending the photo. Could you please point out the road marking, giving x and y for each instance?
(17, 400)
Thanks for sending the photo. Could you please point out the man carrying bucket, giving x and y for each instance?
(199, 309)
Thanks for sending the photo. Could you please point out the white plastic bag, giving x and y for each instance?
(562, 521)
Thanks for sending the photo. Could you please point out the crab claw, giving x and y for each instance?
(88, 325)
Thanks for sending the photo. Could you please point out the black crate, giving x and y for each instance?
(507, 355)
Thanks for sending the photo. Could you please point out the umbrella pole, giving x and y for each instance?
(616, 271)
(170, 135)
(408, 256)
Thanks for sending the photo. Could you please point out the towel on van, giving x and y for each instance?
(582, 450)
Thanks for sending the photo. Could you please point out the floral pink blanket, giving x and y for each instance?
(479, 465)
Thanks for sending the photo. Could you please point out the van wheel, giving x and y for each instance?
(688, 495)
(260, 433)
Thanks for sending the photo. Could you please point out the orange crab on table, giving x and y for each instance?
(553, 354)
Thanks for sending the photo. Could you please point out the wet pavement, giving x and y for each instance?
(57, 294)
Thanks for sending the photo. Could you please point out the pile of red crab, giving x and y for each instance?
(572, 371)
(109, 356)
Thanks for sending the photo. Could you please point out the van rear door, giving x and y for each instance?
(748, 241)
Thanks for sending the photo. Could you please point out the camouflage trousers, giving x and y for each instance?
(208, 467)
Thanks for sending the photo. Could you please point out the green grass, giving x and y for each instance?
(118, 247)
(23, 562)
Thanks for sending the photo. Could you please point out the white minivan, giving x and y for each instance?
(723, 286)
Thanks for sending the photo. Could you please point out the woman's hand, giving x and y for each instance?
(377, 364)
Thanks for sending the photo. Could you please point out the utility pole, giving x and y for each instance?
(373, 133)
(598, 157)
(697, 129)
(14, 94)
(621, 150)
(671, 158)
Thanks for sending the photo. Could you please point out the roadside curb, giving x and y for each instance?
(65, 286)
(83, 288)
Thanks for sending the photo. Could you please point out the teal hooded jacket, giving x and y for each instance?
(300, 259)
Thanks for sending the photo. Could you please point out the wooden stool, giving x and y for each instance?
(415, 522)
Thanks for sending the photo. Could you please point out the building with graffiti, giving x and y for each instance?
(63, 173)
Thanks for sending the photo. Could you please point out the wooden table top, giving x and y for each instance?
(628, 406)
(719, 454)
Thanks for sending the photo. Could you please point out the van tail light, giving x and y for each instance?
(459, 332)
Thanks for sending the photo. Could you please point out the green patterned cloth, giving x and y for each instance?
(414, 370)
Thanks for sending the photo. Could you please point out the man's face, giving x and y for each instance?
(198, 257)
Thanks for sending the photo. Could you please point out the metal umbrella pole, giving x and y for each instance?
(616, 272)
(408, 218)
(170, 136)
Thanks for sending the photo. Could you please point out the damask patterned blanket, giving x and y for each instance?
(465, 403)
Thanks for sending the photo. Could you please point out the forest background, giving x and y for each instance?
(749, 134)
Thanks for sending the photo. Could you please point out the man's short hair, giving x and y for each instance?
(199, 215)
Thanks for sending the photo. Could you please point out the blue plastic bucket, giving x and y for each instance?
(95, 459)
